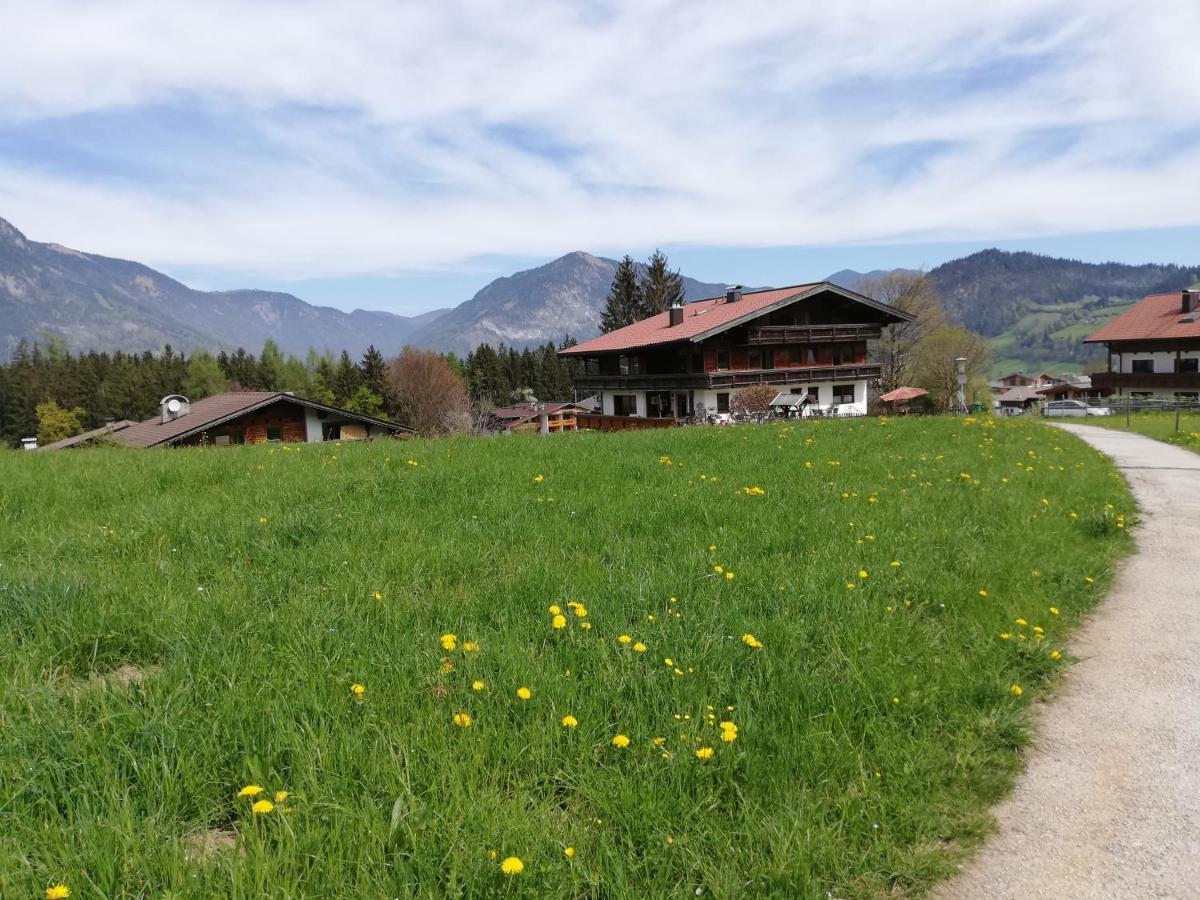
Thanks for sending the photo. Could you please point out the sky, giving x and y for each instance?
(401, 155)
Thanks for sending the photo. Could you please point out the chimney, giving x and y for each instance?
(173, 406)
(674, 315)
(1189, 300)
(733, 294)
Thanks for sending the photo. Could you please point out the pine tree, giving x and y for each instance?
(624, 304)
(659, 287)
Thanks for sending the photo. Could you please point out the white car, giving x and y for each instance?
(1073, 408)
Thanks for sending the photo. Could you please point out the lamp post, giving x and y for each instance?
(960, 371)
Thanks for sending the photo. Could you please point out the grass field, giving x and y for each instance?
(872, 618)
(1158, 425)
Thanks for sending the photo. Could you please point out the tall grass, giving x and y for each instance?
(178, 625)
(1158, 425)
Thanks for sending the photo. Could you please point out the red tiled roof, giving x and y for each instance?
(903, 393)
(1157, 317)
(703, 316)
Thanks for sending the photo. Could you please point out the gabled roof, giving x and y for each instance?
(704, 318)
(903, 393)
(1157, 317)
(220, 408)
(1020, 394)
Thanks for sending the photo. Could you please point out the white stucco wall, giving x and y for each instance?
(312, 426)
(1164, 361)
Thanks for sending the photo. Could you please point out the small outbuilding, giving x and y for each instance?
(902, 397)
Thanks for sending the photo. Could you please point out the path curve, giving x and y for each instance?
(1109, 804)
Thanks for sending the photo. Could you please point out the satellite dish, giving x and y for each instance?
(173, 405)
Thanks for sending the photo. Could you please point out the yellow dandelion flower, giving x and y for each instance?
(983, 592)
(539, 478)
(568, 852)
(1021, 622)
(471, 647)
(569, 721)
(729, 576)
(449, 641)
(58, 892)
(586, 626)
(513, 865)
(718, 569)
(895, 564)
(712, 548)
(624, 638)
(862, 573)
(559, 621)
(896, 701)
(1004, 636)
(704, 753)
(462, 719)
(377, 595)
(639, 647)
(1015, 690)
(579, 609)
(1054, 654)
(659, 741)
(1054, 610)
(751, 641)
(250, 790)
(524, 693)
(555, 609)
(478, 685)
(280, 796)
(1088, 578)
(262, 807)
(357, 690)
(620, 741)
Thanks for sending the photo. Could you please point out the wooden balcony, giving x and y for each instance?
(1145, 381)
(810, 334)
(726, 379)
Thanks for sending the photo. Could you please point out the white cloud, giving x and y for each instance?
(379, 136)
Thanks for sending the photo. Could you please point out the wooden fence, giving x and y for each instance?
(620, 423)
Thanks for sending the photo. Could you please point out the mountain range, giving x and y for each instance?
(1034, 309)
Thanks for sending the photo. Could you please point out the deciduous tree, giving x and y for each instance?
(913, 293)
(56, 423)
(429, 396)
(753, 402)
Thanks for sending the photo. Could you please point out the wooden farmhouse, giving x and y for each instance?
(238, 417)
(688, 361)
(1153, 349)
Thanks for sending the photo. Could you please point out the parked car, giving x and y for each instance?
(1073, 408)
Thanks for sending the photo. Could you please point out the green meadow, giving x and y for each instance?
(798, 659)
(1158, 425)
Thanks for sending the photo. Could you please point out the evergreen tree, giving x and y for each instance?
(659, 287)
(346, 379)
(624, 303)
(270, 367)
(203, 378)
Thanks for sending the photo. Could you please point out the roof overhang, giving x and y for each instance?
(822, 288)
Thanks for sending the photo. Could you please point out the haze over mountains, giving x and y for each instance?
(1034, 308)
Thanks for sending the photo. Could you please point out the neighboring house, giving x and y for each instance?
(95, 436)
(1017, 400)
(1153, 349)
(1076, 387)
(249, 417)
(1019, 379)
(551, 417)
(688, 361)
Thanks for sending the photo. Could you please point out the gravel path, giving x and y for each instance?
(1109, 804)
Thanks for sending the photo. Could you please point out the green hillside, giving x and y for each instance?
(792, 661)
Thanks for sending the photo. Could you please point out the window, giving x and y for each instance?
(843, 354)
(843, 393)
(722, 403)
(697, 362)
(624, 404)
(1141, 395)
(630, 365)
(1145, 366)
(1187, 365)
(798, 390)
(1187, 396)
(722, 359)
(755, 359)
(274, 433)
(768, 359)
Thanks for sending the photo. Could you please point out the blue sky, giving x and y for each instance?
(399, 156)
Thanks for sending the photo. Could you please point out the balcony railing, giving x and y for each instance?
(1112, 381)
(810, 334)
(724, 379)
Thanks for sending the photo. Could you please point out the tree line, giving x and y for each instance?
(47, 392)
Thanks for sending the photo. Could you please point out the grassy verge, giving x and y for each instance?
(873, 617)
(1158, 425)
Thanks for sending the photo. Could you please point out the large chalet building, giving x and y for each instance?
(688, 361)
(1153, 349)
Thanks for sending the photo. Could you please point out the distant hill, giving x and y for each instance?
(95, 302)
(1036, 309)
(853, 281)
(563, 297)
